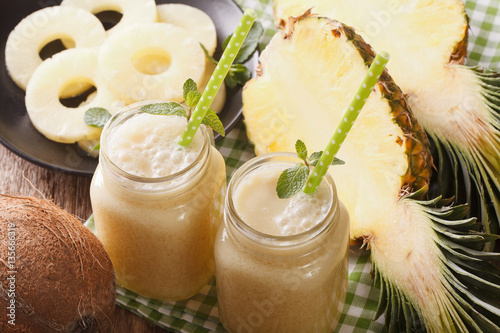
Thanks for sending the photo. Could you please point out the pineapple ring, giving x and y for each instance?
(120, 53)
(43, 26)
(133, 11)
(191, 19)
(48, 115)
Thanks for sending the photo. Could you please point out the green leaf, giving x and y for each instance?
(314, 158)
(292, 180)
(170, 108)
(209, 57)
(192, 98)
(238, 74)
(96, 147)
(337, 161)
(212, 120)
(301, 149)
(96, 117)
(250, 44)
(188, 87)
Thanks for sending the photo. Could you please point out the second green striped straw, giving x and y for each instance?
(350, 115)
(218, 76)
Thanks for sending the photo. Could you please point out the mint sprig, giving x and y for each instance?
(293, 180)
(239, 74)
(96, 117)
(191, 98)
(165, 109)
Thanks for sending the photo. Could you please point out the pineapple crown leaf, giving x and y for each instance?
(471, 284)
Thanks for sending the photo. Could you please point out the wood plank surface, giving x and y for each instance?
(18, 176)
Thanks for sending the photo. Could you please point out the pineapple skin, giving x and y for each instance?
(420, 161)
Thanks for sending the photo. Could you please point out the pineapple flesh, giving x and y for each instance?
(42, 27)
(457, 106)
(133, 11)
(306, 78)
(51, 118)
(122, 55)
(192, 19)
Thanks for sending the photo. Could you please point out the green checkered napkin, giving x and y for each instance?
(200, 313)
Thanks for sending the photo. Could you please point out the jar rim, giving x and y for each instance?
(125, 114)
(276, 240)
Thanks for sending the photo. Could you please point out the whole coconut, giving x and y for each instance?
(55, 274)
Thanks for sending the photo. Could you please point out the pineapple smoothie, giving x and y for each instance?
(281, 264)
(157, 205)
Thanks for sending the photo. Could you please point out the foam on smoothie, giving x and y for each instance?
(154, 139)
(260, 207)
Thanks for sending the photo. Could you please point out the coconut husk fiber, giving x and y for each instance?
(53, 269)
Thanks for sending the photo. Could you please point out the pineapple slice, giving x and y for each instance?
(191, 19)
(54, 120)
(40, 28)
(133, 11)
(123, 55)
(423, 252)
(457, 106)
(88, 147)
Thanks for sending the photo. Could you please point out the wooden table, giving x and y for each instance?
(70, 193)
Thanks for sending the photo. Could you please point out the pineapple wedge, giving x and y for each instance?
(457, 106)
(54, 120)
(40, 28)
(122, 57)
(133, 11)
(424, 253)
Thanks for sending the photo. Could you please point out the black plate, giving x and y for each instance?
(18, 134)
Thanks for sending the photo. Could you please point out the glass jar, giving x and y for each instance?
(269, 283)
(159, 231)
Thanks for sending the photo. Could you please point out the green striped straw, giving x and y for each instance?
(218, 76)
(350, 115)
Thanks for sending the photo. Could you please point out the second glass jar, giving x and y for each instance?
(291, 283)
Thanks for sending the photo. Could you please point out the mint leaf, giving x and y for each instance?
(212, 120)
(96, 117)
(337, 161)
(249, 45)
(188, 87)
(209, 57)
(292, 180)
(238, 74)
(170, 108)
(301, 149)
(314, 158)
(192, 98)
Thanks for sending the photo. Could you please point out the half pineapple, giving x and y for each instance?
(457, 106)
(425, 253)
